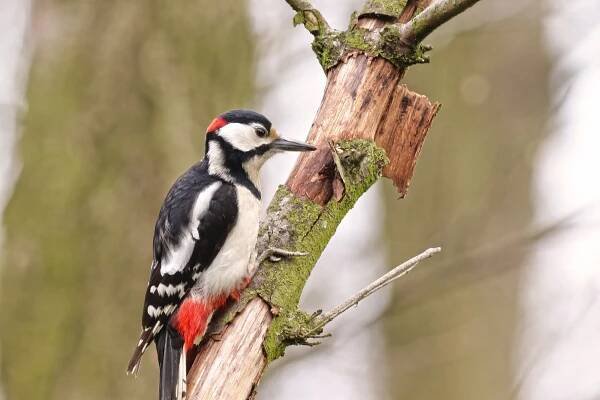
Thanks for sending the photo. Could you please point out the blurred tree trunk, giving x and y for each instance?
(118, 97)
(450, 329)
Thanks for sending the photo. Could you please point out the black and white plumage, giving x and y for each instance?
(204, 239)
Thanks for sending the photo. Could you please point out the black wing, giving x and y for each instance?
(166, 290)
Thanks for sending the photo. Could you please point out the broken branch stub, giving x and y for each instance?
(401, 134)
(364, 100)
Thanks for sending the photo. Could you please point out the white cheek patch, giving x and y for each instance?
(242, 137)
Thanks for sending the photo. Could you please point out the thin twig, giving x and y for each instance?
(311, 18)
(433, 16)
(374, 286)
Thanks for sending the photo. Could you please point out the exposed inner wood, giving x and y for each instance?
(230, 367)
(364, 99)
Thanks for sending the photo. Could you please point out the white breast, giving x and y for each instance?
(230, 266)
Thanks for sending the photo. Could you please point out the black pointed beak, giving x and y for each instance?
(291, 145)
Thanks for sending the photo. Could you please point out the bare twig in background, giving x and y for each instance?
(432, 17)
(376, 285)
(316, 322)
(309, 16)
(397, 272)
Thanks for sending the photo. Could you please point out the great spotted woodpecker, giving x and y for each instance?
(204, 240)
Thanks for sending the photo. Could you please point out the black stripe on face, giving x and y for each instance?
(235, 159)
(257, 151)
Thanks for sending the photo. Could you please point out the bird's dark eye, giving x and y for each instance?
(261, 132)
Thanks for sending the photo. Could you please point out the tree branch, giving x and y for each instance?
(432, 17)
(398, 272)
(317, 321)
(309, 16)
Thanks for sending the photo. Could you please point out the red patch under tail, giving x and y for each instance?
(193, 316)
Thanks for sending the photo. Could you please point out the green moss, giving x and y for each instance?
(330, 47)
(312, 20)
(301, 225)
(309, 20)
(384, 8)
(391, 47)
(356, 38)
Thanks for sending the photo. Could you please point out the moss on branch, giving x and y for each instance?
(298, 224)
(331, 46)
(397, 42)
(309, 16)
(389, 9)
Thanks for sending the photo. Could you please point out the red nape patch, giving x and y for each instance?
(216, 124)
(193, 316)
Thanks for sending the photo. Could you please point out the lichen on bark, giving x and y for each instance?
(298, 224)
(331, 46)
(390, 9)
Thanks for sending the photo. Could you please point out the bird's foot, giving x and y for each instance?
(236, 293)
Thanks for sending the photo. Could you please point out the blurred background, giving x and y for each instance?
(104, 104)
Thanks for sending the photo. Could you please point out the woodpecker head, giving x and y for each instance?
(241, 141)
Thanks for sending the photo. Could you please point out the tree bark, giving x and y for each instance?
(238, 356)
(363, 101)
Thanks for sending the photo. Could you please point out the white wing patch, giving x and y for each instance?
(175, 259)
(155, 312)
(169, 289)
(201, 206)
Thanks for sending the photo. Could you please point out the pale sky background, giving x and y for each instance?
(14, 20)
(560, 341)
(560, 354)
(14, 65)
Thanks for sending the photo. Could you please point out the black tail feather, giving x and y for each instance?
(169, 345)
(145, 339)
